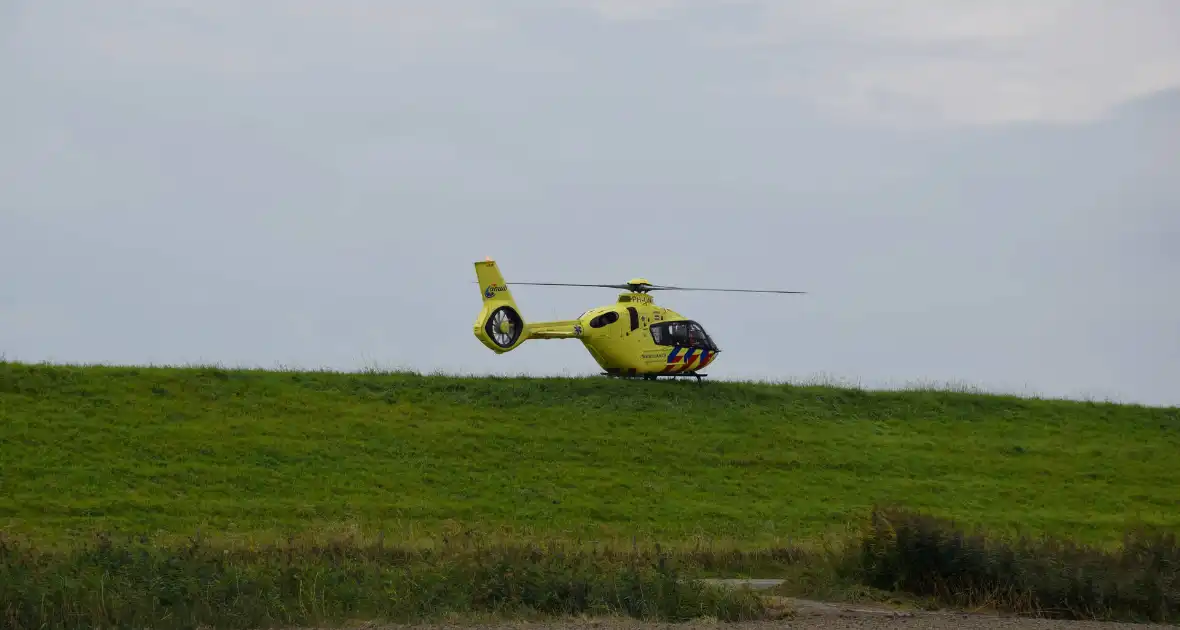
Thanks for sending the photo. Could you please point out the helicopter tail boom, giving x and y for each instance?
(569, 329)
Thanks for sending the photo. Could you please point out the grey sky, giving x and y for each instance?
(974, 192)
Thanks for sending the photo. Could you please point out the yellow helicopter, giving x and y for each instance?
(631, 338)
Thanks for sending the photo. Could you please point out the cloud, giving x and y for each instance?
(923, 62)
(256, 172)
(905, 62)
(233, 38)
(630, 10)
(993, 61)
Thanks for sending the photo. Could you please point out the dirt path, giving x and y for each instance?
(836, 616)
(817, 617)
(806, 614)
(812, 614)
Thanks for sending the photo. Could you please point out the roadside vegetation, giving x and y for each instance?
(898, 556)
(176, 497)
(919, 555)
(130, 583)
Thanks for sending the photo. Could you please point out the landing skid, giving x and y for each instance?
(656, 377)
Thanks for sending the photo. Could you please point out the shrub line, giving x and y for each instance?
(131, 582)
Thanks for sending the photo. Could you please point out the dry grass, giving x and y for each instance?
(926, 556)
(134, 583)
(121, 582)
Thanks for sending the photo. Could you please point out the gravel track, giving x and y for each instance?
(807, 614)
(819, 619)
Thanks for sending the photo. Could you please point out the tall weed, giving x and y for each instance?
(923, 555)
(132, 583)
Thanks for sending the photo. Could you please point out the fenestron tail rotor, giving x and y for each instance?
(504, 326)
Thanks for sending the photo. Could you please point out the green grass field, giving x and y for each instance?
(171, 450)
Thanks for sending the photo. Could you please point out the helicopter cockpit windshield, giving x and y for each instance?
(685, 333)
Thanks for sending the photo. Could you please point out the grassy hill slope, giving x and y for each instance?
(170, 449)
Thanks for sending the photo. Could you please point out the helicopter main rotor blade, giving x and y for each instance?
(653, 287)
(568, 284)
(667, 288)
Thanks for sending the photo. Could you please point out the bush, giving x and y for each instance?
(928, 556)
(136, 584)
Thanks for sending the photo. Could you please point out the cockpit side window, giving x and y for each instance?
(687, 334)
(608, 317)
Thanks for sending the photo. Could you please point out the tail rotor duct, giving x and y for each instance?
(504, 326)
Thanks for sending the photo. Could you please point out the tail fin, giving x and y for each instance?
(499, 325)
(492, 283)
